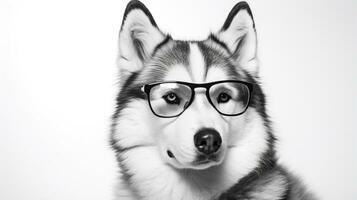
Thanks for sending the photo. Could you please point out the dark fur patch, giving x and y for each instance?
(212, 56)
(295, 187)
(178, 53)
(291, 187)
(219, 42)
(165, 41)
(128, 92)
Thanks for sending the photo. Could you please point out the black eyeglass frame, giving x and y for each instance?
(147, 88)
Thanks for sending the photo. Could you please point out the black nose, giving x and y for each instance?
(207, 141)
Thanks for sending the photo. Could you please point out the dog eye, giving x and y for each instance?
(223, 98)
(171, 98)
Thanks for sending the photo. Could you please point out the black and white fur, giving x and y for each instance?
(247, 168)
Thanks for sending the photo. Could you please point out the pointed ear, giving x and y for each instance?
(138, 37)
(238, 33)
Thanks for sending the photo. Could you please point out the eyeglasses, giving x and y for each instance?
(171, 99)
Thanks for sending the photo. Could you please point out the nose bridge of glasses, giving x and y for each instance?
(200, 102)
(200, 90)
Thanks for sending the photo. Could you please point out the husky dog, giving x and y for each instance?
(190, 121)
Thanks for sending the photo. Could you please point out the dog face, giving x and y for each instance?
(171, 109)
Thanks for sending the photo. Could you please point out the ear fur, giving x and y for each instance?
(239, 34)
(138, 37)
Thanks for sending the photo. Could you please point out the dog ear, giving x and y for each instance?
(138, 37)
(239, 35)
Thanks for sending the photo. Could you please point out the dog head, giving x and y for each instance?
(176, 104)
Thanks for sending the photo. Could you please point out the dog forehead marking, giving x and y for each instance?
(197, 63)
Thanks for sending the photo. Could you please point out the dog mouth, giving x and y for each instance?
(206, 159)
(201, 161)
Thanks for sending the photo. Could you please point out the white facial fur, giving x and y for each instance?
(153, 178)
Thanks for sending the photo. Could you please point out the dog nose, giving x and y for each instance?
(207, 141)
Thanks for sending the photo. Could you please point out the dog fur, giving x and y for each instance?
(247, 168)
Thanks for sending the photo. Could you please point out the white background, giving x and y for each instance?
(58, 83)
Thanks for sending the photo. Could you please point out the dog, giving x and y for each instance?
(190, 121)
